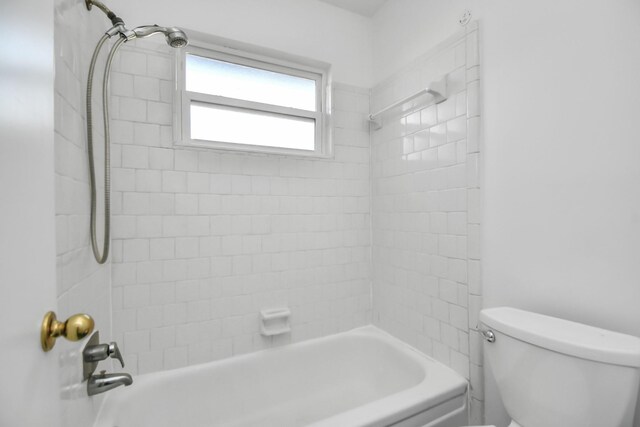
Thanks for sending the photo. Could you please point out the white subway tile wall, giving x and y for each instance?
(426, 212)
(202, 239)
(83, 286)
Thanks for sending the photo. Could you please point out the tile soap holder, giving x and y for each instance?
(275, 321)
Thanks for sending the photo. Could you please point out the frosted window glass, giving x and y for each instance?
(213, 123)
(222, 78)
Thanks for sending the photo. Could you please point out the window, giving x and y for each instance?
(243, 100)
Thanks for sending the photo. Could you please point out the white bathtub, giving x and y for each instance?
(359, 378)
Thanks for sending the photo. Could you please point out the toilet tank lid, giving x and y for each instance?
(564, 336)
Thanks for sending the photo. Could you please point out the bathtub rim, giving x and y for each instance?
(413, 400)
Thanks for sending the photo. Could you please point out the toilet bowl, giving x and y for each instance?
(556, 373)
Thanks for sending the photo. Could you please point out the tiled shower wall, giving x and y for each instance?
(83, 285)
(426, 211)
(205, 239)
(202, 240)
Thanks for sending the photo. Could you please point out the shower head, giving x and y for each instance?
(175, 36)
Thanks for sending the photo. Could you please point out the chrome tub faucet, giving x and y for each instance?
(94, 353)
(102, 382)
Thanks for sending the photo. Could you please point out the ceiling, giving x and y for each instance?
(366, 8)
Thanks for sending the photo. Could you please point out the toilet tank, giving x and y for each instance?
(556, 373)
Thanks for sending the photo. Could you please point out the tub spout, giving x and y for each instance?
(102, 382)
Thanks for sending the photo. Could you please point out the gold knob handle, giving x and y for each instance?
(74, 328)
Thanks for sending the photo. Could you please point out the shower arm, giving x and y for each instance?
(99, 5)
(115, 20)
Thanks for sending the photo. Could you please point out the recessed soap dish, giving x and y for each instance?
(275, 321)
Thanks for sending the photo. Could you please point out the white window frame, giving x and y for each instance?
(254, 57)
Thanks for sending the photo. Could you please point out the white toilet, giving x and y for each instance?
(556, 373)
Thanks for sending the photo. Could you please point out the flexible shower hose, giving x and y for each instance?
(100, 257)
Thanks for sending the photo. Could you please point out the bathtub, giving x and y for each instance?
(363, 377)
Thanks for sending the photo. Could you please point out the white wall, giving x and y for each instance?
(307, 28)
(562, 204)
(561, 226)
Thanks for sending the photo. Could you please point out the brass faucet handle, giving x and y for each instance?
(74, 328)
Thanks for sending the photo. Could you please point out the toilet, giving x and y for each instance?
(556, 373)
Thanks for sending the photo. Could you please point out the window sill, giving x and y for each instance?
(217, 146)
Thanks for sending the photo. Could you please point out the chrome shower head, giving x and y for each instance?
(175, 36)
